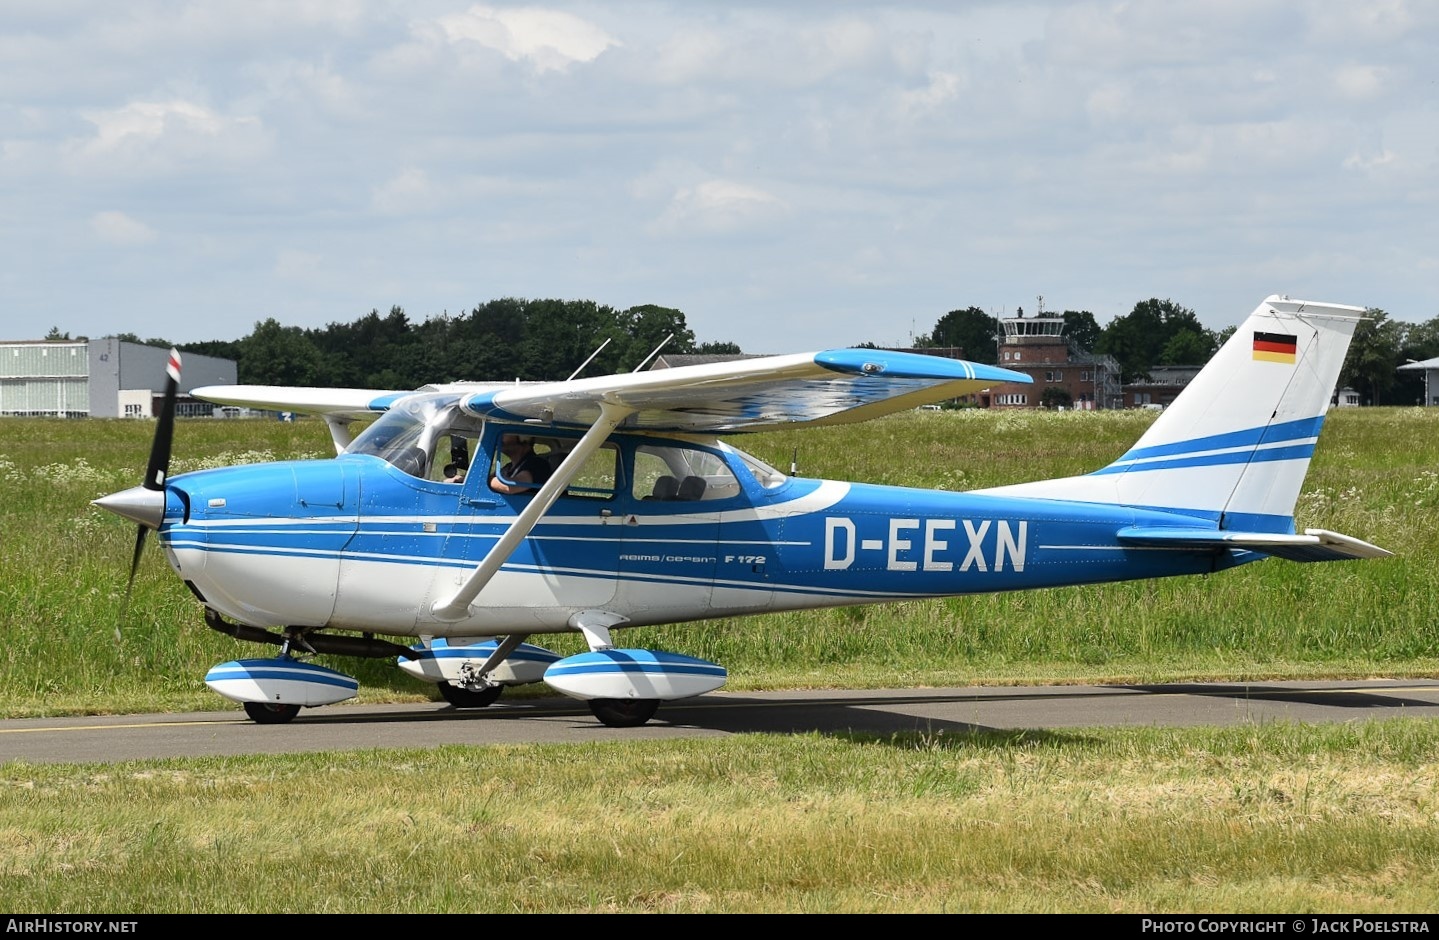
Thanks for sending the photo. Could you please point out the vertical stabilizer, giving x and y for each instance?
(1234, 447)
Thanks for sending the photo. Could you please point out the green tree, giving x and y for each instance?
(719, 349)
(1373, 358)
(971, 330)
(1138, 339)
(645, 327)
(1187, 348)
(1055, 397)
(1082, 330)
(278, 355)
(220, 349)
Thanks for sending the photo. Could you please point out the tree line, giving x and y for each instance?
(515, 338)
(509, 338)
(1164, 333)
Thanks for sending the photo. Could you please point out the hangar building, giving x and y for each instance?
(100, 378)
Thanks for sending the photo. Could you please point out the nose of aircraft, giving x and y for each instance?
(138, 504)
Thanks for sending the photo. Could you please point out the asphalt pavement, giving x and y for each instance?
(957, 711)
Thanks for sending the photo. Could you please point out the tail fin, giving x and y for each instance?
(1234, 447)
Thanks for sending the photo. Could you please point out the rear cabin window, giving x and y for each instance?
(681, 474)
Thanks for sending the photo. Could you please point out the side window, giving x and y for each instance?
(681, 474)
(598, 478)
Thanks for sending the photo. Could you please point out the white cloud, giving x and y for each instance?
(1361, 82)
(117, 228)
(752, 51)
(941, 89)
(718, 207)
(160, 136)
(407, 192)
(549, 40)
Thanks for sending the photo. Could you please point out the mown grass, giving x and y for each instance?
(1279, 818)
(1375, 476)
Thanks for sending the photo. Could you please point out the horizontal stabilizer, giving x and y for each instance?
(1313, 545)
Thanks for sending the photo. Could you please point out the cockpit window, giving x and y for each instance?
(426, 436)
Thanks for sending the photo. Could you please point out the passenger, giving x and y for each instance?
(454, 474)
(525, 467)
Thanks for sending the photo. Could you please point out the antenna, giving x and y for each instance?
(794, 462)
(646, 360)
(587, 361)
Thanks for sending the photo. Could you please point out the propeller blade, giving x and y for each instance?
(159, 466)
(136, 503)
(140, 532)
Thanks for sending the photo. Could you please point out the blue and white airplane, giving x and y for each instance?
(650, 518)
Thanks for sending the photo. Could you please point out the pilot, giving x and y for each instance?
(525, 467)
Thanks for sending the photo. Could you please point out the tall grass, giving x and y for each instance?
(65, 647)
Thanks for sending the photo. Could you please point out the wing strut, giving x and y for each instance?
(457, 607)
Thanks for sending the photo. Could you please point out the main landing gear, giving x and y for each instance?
(270, 713)
(624, 712)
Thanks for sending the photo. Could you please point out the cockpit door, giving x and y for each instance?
(570, 558)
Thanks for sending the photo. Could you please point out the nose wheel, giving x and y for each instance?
(461, 697)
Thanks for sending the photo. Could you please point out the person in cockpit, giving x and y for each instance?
(526, 470)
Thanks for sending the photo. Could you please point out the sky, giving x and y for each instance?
(792, 176)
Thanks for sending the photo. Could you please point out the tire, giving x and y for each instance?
(624, 712)
(466, 698)
(270, 713)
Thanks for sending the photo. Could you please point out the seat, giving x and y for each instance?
(692, 488)
(666, 487)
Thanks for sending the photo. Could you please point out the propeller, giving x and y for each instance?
(145, 504)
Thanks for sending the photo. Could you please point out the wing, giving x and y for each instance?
(340, 407)
(348, 404)
(834, 387)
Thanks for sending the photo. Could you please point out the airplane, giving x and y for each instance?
(650, 517)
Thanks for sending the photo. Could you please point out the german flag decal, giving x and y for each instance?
(1274, 347)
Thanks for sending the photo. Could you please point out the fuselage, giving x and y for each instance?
(359, 543)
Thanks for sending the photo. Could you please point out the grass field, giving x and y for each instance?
(69, 647)
(1275, 818)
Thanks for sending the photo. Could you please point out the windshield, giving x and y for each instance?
(405, 435)
(767, 476)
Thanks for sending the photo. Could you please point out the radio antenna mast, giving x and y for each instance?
(646, 360)
(589, 360)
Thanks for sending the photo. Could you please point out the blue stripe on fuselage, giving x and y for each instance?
(1305, 429)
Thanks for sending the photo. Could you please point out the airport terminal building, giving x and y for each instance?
(99, 378)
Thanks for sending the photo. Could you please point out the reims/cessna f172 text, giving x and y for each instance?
(648, 517)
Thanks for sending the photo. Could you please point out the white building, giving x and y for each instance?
(1431, 381)
(101, 378)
